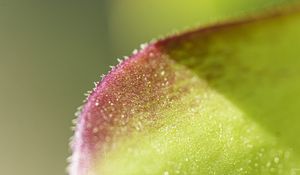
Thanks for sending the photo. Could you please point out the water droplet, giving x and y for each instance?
(249, 145)
(102, 76)
(135, 51)
(95, 130)
(88, 125)
(162, 73)
(74, 121)
(276, 159)
(97, 104)
(119, 60)
(143, 46)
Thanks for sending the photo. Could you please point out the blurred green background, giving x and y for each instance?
(51, 52)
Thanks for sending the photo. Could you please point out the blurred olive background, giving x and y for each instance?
(51, 52)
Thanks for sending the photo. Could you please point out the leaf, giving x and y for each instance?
(217, 100)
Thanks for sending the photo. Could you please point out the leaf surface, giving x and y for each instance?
(217, 100)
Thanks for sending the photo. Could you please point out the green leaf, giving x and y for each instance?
(217, 100)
